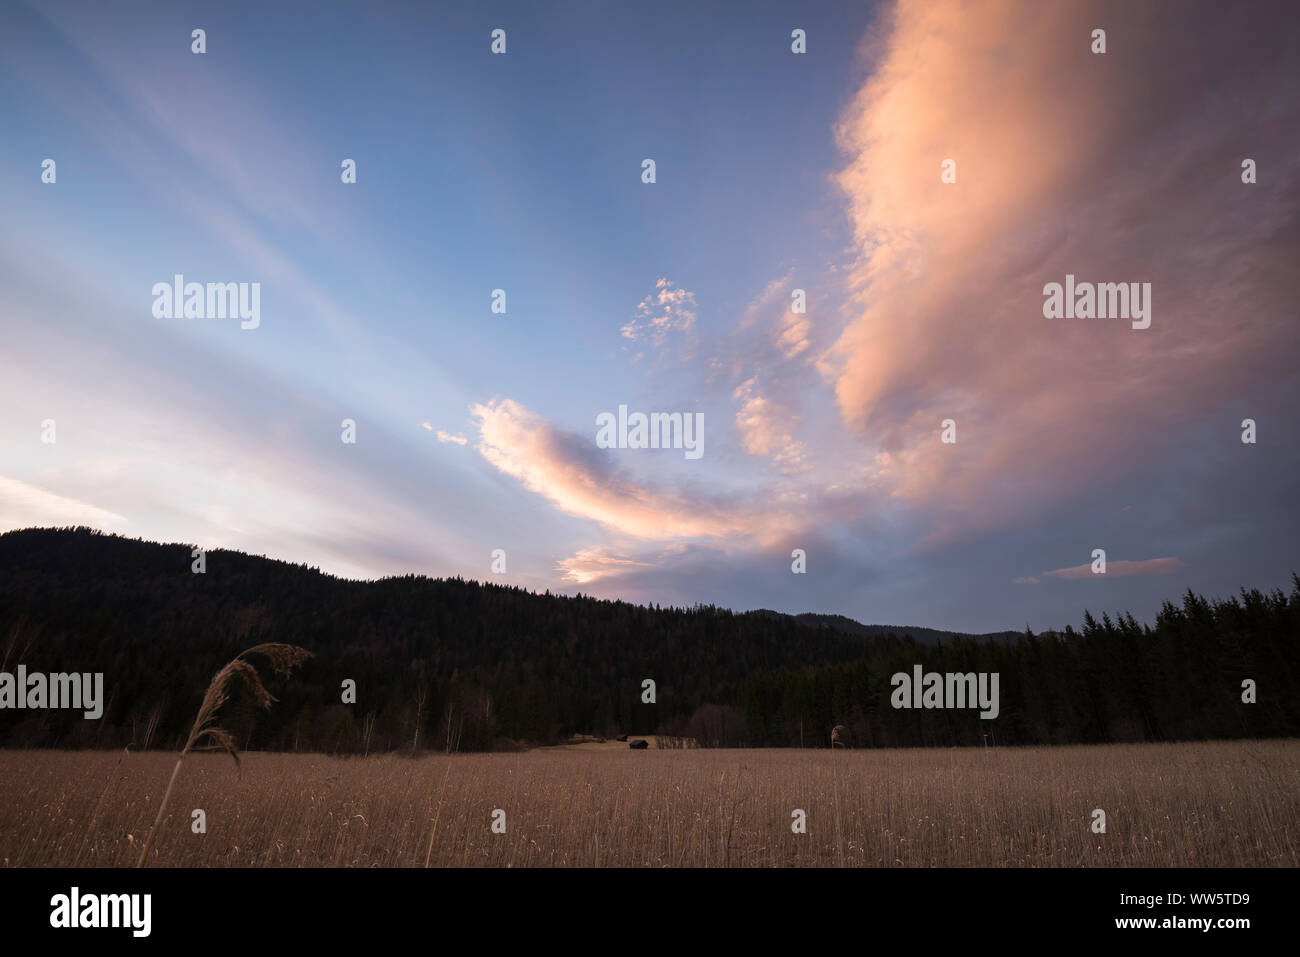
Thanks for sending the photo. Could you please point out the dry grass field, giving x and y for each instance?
(1215, 804)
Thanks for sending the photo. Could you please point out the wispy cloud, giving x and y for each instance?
(598, 563)
(578, 479)
(23, 504)
(1149, 566)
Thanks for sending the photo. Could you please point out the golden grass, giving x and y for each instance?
(1211, 804)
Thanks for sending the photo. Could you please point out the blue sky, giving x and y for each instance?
(775, 172)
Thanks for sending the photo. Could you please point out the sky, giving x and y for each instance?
(917, 178)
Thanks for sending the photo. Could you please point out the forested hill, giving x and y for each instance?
(924, 636)
(538, 665)
(452, 663)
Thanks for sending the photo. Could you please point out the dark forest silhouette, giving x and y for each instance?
(460, 665)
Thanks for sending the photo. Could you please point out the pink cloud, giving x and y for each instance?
(597, 563)
(1150, 566)
(766, 428)
(576, 478)
(1117, 167)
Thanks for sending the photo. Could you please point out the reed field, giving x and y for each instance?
(1167, 805)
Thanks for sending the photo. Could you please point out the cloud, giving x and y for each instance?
(793, 330)
(1116, 167)
(178, 135)
(770, 300)
(765, 429)
(669, 309)
(597, 563)
(1027, 580)
(458, 439)
(1150, 566)
(793, 339)
(23, 505)
(576, 478)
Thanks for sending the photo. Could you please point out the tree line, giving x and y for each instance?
(450, 664)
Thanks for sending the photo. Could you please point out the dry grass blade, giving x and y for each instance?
(206, 734)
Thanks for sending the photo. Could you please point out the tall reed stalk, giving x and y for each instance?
(207, 735)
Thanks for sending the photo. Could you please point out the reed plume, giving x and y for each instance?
(207, 735)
